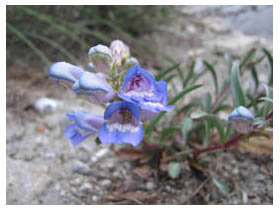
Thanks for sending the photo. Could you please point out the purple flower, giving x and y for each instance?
(140, 87)
(119, 51)
(241, 119)
(65, 73)
(122, 124)
(93, 86)
(83, 127)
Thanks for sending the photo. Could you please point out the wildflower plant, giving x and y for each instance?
(137, 104)
(133, 94)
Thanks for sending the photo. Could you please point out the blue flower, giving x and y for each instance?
(140, 87)
(122, 124)
(241, 119)
(65, 73)
(84, 126)
(93, 86)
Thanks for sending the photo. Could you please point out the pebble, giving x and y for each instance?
(86, 187)
(94, 198)
(244, 197)
(45, 105)
(105, 183)
(259, 177)
(101, 153)
(150, 185)
(81, 168)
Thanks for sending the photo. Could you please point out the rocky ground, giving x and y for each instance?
(44, 168)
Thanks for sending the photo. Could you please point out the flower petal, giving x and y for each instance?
(65, 73)
(116, 136)
(152, 107)
(95, 87)
(72, 132)
(138, 85)
(83, 127)
(121, 124)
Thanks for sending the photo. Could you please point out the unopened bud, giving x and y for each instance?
(119, 51)
(241, 119)
(101, 58)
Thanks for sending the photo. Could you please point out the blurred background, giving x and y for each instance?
(42, 166)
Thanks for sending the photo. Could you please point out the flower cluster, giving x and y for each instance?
(134, 95)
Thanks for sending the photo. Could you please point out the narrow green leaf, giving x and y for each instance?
(218, 123)
(253, 102)
(190, 74)
(270, 59)
(249, 56)
(186, 127)
(213, 72)
(168, 132)
(51, 22)
(266, 99)
(237, 93)
(170, 78)
(220, 185)
(172, 101)
(268, 91)
(56, 46)
(206, 137)
(255, 76)
(227, 133)
(174, 170)
(182, 94)
(206, 102)
(229, 64)
(161, 74)
(179, 70)
(30, 44)
(221, 107)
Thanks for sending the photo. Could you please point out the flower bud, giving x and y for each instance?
(131, 61)
(119, 51)
(101, 58)
(241, 119)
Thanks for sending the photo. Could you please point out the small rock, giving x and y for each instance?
(105, 183)
(81, 168)
(86, 187)
(259, 177)
(76, 182)
(150, 185)
(244, 197)
(45, 105)
(101, 153)
(94, 159)
(94, 198)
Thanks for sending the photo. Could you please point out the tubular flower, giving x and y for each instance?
(122, 124)
(65, 73)
(94, 87)
(143, 96)
(241, 119)
(84, 126)
(140, 87)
